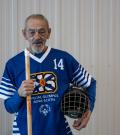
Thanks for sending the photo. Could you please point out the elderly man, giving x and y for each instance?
(52, 71)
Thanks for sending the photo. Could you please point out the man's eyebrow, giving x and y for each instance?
(30, 29)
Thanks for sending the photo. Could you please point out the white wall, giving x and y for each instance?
(88, 29)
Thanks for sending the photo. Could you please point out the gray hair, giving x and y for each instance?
(36, 16)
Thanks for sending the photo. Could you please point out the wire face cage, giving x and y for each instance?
(75, 103)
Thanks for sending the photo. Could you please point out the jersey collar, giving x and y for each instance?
(40, 60)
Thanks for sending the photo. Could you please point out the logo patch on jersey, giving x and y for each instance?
(45, 82)
(44, 109)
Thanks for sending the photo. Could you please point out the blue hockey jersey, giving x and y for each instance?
(53, 72)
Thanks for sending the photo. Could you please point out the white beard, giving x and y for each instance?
(37, 48)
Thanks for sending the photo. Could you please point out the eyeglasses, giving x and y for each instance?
(31, 32)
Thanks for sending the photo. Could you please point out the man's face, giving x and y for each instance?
(37, 32)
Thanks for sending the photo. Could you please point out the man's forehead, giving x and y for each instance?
(36, 23)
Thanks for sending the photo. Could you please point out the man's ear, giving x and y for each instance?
(49, 32)
(24, 34)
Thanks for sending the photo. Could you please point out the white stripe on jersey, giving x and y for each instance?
(77, 69)
(4, 96)
(7, 88)
(85, 80)
(15, 128)
(66, 121)
(67, 126)
(83, 75)
(5, 78)
(6, 92)
(69, 132)
(14, 123)
(77, 75)
(7, 83)
(88, 82)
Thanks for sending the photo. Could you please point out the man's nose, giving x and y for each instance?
(37, 35)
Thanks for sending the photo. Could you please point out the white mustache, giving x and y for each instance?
(38, 42)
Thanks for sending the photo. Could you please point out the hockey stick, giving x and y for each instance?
(28, 98)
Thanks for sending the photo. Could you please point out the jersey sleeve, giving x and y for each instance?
(7, 86)
(80, 76)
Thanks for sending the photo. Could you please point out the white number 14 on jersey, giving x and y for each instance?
(58, 64)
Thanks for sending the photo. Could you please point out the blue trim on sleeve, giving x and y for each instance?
(13, 103)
